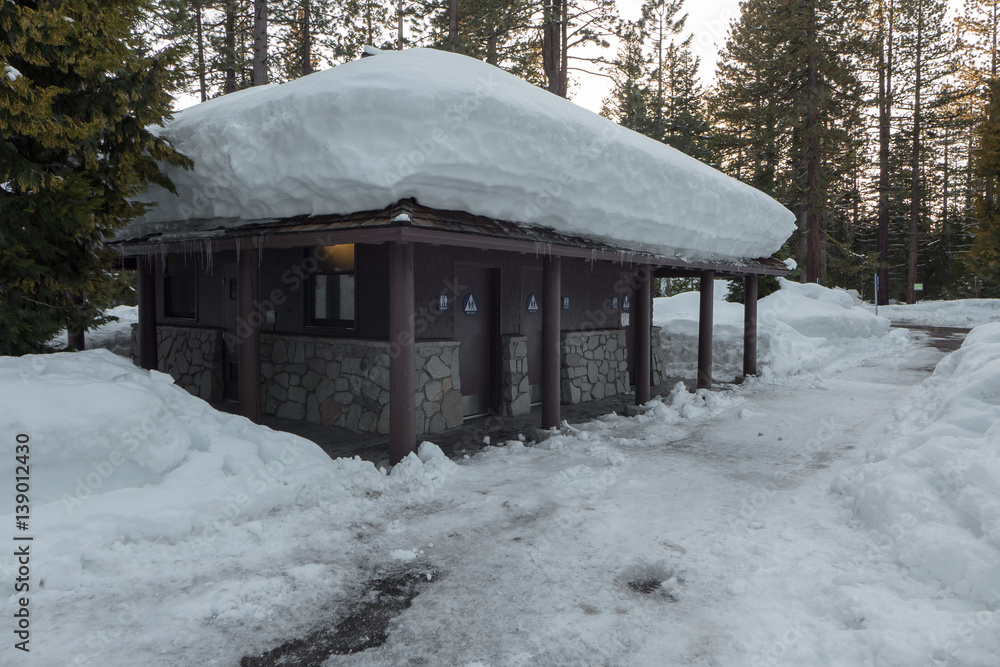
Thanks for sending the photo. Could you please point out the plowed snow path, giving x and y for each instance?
(555, 555)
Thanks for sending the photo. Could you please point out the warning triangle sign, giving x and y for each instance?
(532, 304)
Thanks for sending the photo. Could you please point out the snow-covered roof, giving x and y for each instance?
(454, 133)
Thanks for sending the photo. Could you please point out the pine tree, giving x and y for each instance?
(630, 101)
(986, 247)
(788, 112)
(78, 92)
(678, 102)
(925, 52)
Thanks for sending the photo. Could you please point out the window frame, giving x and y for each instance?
(192, 273)
(311, 321)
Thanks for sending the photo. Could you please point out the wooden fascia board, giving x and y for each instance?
(379, 235)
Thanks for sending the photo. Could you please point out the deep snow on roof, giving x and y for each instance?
(455, 134)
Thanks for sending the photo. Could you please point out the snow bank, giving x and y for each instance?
(802, 327)
(458, 134)
(119, 455)
(115, 336)
(963, 313)
(930, 497)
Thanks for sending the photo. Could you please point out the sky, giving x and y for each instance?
(708, 22)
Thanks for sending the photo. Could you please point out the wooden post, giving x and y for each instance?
(551, 353)
(402, 421)
(750, 326)
(148, 352)
(643, 332)
(705, 330)
(248, 332)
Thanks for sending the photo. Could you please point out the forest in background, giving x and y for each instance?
(874, 121)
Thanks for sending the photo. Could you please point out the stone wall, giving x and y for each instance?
(345, 382)
(594, 365)
(515, 397)
(658, 358)
(192, 356)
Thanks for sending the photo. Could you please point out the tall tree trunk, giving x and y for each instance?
(200, 35)
(915, 198)
(453, 25)
(814, 253)
(259, 42)
(491, 49)
(945, 222)
(550, 44)
(76, 337)
(307, 65)
(659, 81)
(399, 25)
(563, 43)
(884, 136)
(229, 42)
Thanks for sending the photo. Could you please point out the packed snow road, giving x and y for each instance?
(715, 540)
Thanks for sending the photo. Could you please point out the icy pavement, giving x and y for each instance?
(715, 540)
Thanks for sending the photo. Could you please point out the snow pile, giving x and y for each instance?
(456, 134)
(963, 313)
(930, 499)
(119, 455)
(802, 327)
(115, 336)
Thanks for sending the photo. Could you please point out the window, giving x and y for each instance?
(331, 287)
(180, 288)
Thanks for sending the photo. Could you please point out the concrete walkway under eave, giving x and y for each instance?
(466, 439)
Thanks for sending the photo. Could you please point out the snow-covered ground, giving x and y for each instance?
(962, 313)
(837, 516)
(115, 336)
(802, 327)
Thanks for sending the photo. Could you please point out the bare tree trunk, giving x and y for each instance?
(550, 44)
(202, 87)
(945, 222)
(659, 81)
(260, 42)
(915, 198)
(76, 337)
(399, 25)
(884, 138)
(814, 253)
(453, 25)
(229, 41)
(563, 43)
(307, 65)
(491, 50)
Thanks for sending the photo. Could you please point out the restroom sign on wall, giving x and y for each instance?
(469, 305)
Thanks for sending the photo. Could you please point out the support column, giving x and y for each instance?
(643, 329)
(750, 326)
(402, 422)
(148, 352)
(705, 330)
(248, 332)
(551, 353)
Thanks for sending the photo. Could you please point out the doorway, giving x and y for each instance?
(531, 326)
(230, 347)
(477, 330)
